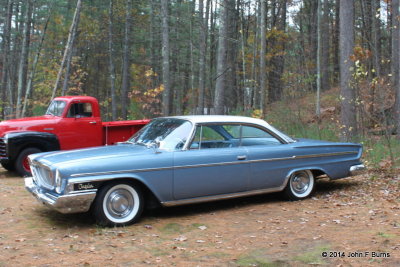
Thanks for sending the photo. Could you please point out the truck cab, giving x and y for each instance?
(70, 122)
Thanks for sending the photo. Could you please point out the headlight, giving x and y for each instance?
(58, 181)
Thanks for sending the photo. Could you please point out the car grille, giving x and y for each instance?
(43, 176)
(3, 153)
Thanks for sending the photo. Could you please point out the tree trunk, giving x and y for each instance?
(34, 64)
(336, 53)
(111, 62)
(230, 94)
(202, 53)
(69, 46)
(396, 61)
(346, 40)
(319, 46)
(23, 62)
(126, 61)
(325, 51)
(5, 69)
(219, 98)
(376, 32)
(263, 51)
(166, 101)
(255, 88)
(278, 61)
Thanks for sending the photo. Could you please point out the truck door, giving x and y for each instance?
(80, 128)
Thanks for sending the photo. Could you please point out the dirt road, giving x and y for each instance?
(350, 222)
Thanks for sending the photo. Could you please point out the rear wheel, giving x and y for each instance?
(22, 164)
(118, 204)
(300, 185)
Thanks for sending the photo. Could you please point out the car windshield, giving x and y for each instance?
(164, 133)
(56, 108)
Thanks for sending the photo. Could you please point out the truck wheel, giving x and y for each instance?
(21, 164)
(9, 166)
(118, 204)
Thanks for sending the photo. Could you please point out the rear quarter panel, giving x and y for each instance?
(272, 165)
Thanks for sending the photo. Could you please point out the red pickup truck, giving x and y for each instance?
(70, 122)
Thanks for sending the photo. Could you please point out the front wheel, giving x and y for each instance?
(22, 164)
(300, 185)
(118, 204)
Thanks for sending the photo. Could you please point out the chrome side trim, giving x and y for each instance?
(119, 172)
(214, 164)
(221, 197)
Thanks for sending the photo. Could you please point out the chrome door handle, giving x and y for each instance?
(93, 122)
(241, 157)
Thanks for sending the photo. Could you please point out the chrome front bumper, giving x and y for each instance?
(357, 169)
(74, 203)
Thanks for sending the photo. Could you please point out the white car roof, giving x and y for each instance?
(222, 118)
(235, 119)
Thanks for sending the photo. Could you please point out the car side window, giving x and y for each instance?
(80, 110)
(210, 137)
(253, 136)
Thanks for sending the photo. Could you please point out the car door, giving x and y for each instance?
(270, 158)
(214, 164)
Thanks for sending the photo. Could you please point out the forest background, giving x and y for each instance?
(326, 69)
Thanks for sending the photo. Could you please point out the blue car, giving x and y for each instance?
(184, 160)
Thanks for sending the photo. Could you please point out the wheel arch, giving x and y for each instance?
(18, 141)
(316, 172)
(151, 199)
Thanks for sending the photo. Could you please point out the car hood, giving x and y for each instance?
(90, 155)
(25, 124)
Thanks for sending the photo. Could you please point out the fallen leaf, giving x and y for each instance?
(181, 238)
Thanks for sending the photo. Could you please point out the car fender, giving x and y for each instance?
(17, 141)
(95, 182)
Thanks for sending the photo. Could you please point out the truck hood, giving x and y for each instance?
(24, 124)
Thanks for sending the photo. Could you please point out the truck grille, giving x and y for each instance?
(3, 153)
(43, 176)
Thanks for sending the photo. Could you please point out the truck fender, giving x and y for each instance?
(17, 141)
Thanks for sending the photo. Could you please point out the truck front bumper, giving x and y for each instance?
(73, 203)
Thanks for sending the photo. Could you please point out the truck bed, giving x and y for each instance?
(117, 131)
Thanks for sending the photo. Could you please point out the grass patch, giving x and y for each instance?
(157, 252)
(386, 235)
(251, 261)
(172, 228)
(217, 255)
(197, 225)
(313, 256)
(259, 259)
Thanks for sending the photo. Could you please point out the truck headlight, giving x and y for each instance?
(58, 181)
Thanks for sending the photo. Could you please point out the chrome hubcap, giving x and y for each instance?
(120, 203)
(300, 183)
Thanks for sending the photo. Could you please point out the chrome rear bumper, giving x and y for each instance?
(357, 169)
(73, 203)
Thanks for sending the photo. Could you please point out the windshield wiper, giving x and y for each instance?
(141, 143)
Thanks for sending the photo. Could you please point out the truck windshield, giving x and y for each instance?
(56, 108)
(165, 133)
